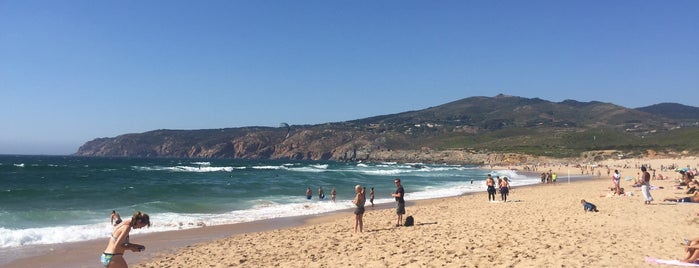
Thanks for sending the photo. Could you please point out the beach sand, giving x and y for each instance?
(540, 226)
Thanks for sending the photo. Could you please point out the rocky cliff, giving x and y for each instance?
(477, 130)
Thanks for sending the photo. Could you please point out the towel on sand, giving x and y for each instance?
(670, 262)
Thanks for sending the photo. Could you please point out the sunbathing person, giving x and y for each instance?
(690, 199)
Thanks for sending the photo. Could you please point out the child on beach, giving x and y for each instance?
(587, 206)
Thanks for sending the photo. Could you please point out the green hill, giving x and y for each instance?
(476, 124)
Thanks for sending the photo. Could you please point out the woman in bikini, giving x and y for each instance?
(113, 256)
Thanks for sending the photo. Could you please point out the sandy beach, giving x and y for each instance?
(540, 226)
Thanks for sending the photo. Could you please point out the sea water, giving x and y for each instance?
(58, 199)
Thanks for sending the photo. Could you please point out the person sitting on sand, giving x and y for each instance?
(617, 191)
(691, 252)
(587, 206)
(692, 186)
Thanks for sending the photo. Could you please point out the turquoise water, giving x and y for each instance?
(56, 199)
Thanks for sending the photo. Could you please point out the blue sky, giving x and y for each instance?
(72, 71)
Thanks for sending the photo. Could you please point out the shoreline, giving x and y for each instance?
(86, 253)
(544, 226)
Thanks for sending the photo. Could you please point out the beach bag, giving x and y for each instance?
(409, 221)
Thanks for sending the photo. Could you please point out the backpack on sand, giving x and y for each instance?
(409, 221)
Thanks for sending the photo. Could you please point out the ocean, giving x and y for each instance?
(59, 199)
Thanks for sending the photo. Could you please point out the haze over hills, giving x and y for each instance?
(475, 126)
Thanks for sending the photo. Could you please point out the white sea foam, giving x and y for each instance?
(268, 167)
(309, 169)
(263, 208)
(324, 166)
(186, 169)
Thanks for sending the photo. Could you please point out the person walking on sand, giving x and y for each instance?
(371, 196)
(399, 195)
(333, 193)
(359, 200)
(645, 186)
(115, 218)
(490, 183)
(113, 255)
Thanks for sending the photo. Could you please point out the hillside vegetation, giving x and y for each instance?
(475, 125)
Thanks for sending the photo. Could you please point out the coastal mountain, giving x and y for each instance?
(673, 111)
(474, 130)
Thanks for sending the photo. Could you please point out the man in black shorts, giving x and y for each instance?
(398, 194)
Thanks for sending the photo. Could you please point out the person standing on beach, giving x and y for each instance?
(359, 200)
(490, 183)
(645, 186)
(399, 194)
(504, 189)
(309, 193)
(371, 196)
(321, 195)
(333, 193)
(115, 218)
(113, 255)
(499, 181)
(615, 180)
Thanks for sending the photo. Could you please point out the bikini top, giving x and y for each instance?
(115, 238)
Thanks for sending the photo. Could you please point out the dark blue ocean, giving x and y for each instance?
(57, 199)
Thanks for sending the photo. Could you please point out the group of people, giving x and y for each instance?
(691, 249)
(321, 194)
(643, 182)
(692, 188)
(360, 199)
(549, 177)
(503, 185)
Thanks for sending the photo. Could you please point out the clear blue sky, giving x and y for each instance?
(72, 71)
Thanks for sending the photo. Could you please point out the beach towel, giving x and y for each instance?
(670, 262)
